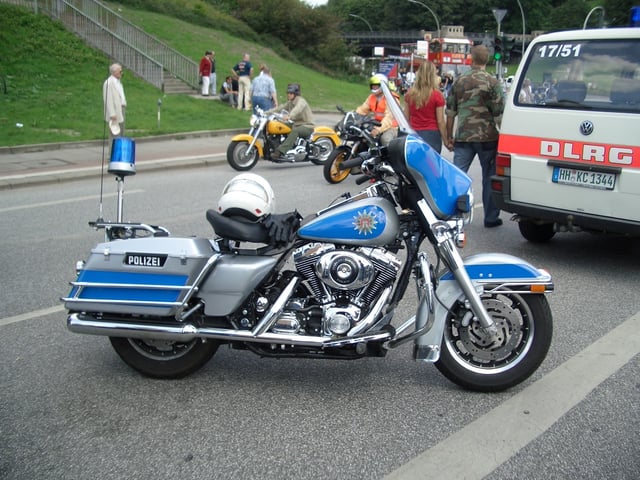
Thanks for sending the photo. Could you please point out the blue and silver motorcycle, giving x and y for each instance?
(324, 286)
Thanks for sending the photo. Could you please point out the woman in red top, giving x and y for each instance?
(424, 106)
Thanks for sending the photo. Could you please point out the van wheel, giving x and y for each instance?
(536, 233)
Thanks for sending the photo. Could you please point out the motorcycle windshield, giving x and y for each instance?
(440, 182)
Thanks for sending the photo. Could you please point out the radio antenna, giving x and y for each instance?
(104, 142)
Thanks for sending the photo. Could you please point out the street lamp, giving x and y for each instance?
(358, 16)
(435, 17)
(523, 29)
(589, 14)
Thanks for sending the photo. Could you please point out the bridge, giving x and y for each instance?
(365, 41)
(390, 40)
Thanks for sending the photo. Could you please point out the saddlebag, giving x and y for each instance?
(139, 276)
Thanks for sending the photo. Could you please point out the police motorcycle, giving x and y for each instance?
(345, 159)
(267, 133)
(324, 286)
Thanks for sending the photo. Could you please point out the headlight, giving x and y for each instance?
(253, 121)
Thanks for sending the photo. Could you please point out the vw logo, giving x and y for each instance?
(586, 127)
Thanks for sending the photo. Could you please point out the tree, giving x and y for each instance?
(617, 12)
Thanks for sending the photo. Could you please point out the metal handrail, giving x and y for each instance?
(106, 30)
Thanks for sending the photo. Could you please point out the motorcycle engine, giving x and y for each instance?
(299, 152)
(345, 281)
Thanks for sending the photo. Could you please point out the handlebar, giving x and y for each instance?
(355, 161)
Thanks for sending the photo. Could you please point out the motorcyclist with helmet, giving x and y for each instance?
(377, 105)
(300, 114)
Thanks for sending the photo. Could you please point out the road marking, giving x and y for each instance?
(479, 448)
(522, 418)
(31, 315)
(66, 200)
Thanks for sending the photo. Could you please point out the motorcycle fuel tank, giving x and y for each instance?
(276, 127)
(367, 222)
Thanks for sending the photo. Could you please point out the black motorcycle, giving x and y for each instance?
(345, 159)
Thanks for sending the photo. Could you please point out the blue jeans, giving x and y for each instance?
(264, 103)
(463, 155)
(432, 137)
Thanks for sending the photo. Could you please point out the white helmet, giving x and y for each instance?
(247, 195)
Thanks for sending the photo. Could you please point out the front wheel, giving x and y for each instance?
(331, 171)
(323, 147)
(163, 358)
(474, 361)
(240, 158)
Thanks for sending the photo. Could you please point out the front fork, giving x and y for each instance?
(252, 144)
(447, 248)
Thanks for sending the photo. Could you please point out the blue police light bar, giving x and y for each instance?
(634, 20)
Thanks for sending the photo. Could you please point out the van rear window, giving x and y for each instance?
(601, 75)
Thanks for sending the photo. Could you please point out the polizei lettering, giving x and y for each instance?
(144, 260)
(603, 154)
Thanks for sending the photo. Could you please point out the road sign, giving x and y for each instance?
(498, 14)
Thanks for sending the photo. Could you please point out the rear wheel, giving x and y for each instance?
(163, 358)
(475, 361)
(324, 146)
(535, 232)
(331, 171)
(240, 158)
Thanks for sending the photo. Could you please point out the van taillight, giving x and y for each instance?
(503, 164)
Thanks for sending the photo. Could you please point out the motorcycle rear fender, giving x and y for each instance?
(488, 271)
(326, 132)
(245, 137)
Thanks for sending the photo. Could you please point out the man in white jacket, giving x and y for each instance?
(114, 101)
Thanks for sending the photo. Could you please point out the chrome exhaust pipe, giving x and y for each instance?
(86, 324)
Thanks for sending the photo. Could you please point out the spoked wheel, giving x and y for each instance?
(163, 358)
(239, 158)
(475, 361)
(331, 171)
(324, 146)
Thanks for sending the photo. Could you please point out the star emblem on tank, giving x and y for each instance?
(364, 222)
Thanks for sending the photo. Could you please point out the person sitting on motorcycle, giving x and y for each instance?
(377, 105)
(301, 116)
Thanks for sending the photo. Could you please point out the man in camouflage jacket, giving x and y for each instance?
(477, 99)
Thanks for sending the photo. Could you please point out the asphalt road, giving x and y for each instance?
(72, 409)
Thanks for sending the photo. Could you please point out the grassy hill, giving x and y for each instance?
(51, 82)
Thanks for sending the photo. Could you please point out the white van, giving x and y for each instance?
(569, 149)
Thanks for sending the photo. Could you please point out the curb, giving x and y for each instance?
(70, 174)
(10, 182)
(44, 147)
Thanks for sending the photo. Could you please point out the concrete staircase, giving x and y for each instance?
(104, 29)
(175, 86)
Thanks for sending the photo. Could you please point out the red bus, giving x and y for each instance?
(448, 54)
